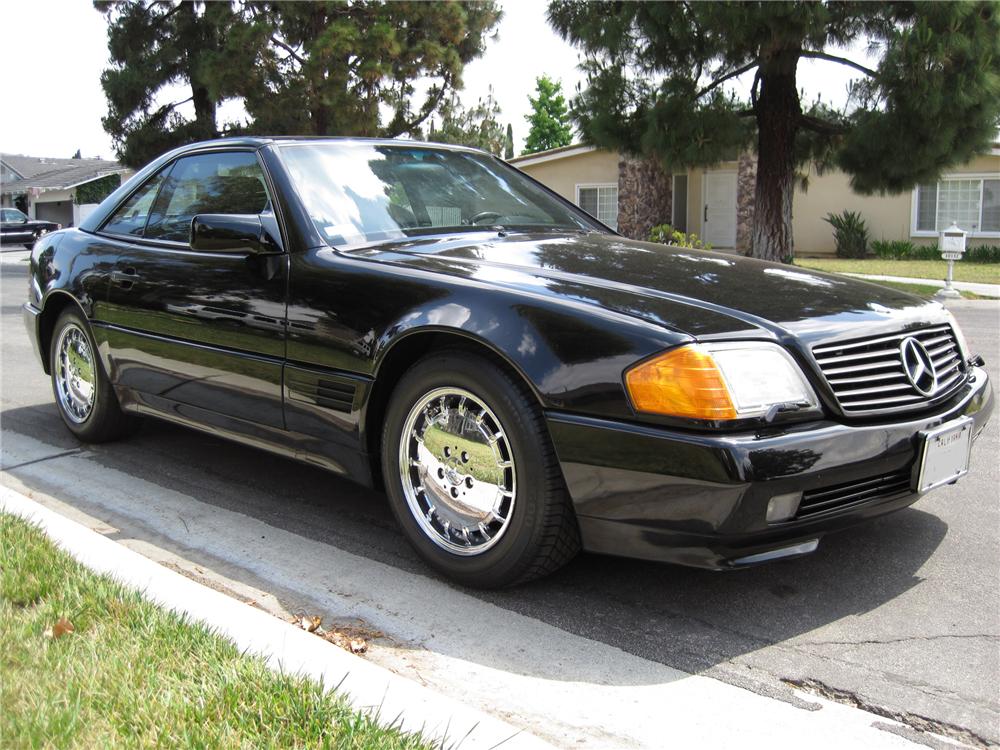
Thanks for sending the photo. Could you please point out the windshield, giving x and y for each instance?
(360, 193)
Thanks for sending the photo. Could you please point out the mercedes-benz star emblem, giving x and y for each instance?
(918, 366)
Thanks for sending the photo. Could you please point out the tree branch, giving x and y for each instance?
(398, 126)
(291, 52)
(821, 126)
(732, 74)
(842, 60)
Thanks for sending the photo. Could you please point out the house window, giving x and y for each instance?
(971, 202)
(600, 201)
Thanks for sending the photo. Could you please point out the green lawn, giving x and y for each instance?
(133, 675)
(984, 273)
(921, 290)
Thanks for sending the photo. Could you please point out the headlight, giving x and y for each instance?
(721, 381)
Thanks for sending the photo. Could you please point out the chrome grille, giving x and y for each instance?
(867, 374)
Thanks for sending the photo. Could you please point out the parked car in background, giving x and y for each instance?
(522, 380)
(17, 229)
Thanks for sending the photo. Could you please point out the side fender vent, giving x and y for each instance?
(329, 391)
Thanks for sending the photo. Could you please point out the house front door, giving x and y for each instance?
(719, 212)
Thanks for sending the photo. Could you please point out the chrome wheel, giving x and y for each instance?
(75, 377)
(458, 471)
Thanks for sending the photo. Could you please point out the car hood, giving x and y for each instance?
(694, 291)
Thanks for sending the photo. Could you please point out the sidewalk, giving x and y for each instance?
(983, 290)
(554, 685)
(394, 700)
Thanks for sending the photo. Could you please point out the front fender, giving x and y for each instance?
(350, 314)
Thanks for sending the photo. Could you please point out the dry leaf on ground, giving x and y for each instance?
(61, 628)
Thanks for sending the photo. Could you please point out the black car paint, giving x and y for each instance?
(22, 231)
(294, 351)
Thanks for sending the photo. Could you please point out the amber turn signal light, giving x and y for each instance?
(684, 382)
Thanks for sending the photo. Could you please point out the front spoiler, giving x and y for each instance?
(700, 499)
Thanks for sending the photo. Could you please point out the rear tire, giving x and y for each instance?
(84, 396)
(471, 474)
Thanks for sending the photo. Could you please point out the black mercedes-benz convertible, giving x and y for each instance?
(523, 381)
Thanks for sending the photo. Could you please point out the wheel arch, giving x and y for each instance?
(55, 303)
(406, 350)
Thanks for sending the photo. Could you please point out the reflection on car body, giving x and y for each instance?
(523, 381)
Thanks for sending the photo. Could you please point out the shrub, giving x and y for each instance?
(982, 254)
(906, 250)
(893, 249)
(850, 234)
(667, 235)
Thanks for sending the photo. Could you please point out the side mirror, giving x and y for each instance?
(230, 233)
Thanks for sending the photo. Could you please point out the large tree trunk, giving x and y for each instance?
(201, 37)
(777, 123)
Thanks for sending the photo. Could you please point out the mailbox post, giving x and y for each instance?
(951, 244)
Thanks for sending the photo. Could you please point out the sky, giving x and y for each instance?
(53, 102)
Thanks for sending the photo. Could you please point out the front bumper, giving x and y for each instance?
(32, 324)
(700, 499)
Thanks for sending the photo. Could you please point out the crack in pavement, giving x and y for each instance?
(918, 722)
(73, 452)
(887, 641)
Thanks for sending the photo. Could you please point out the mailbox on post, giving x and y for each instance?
(951, 245)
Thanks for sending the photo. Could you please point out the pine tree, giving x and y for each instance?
(320, 68)
(549, 118)
(657, 75)
(154, 44)
(478, 127)
(508, 145)
(336, 68)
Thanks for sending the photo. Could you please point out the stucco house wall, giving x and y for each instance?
(592, 167)
(889, 217)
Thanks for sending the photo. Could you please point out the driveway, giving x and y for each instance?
(900, 616)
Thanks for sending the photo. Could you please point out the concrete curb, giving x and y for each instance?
(394, 700)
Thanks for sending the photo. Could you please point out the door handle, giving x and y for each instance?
(706, 213)
(125, 278)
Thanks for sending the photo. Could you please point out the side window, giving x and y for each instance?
(224, 183)
(131, 217)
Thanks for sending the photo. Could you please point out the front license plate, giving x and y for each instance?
(945, 455)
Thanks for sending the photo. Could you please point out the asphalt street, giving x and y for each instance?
(900, 616)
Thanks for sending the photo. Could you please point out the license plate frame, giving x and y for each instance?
(944, 454)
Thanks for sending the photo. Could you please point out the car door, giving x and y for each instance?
(13, 227)
(200, 335)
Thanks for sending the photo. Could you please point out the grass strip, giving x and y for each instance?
(982, 273)
(130, 674)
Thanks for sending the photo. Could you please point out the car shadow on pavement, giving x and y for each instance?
(689, 619)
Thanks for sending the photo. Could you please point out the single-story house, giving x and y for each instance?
(716, 203)
(60, 190)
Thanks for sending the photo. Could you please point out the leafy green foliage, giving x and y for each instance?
(982, 254)
(154, 44)
(658, 84)
(478, 127)
(906, 250)
(322, 68)
(667, 235)
(333, 68)
(508, 145)
(549, 118)
(850, 234)
(96, 190)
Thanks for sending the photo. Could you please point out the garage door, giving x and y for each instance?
(58, 211)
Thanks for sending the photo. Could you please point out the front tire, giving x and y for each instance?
(471, 474)
(84, 396)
